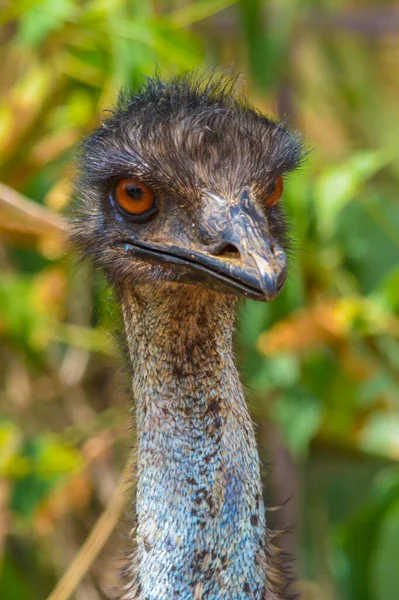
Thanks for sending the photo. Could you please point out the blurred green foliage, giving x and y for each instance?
(321, 363)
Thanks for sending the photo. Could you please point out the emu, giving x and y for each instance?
(178, 196)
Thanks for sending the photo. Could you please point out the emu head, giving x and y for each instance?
(181, 186)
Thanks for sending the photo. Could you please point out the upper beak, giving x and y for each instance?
(238, 258)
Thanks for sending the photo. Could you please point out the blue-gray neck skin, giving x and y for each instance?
(200, 516)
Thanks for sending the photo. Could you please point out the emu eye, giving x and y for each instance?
(276, 193)
(134, 197)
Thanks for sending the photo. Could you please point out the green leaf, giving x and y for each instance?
(10, 440)
(43, 18)
(380, 434)
(267, 39)
(12, 585)
(387, 293)
(20, 321)
(363, 534)
(385, 571)
(299, 416)
(49, 461)
(338, 186)
(57, 458)
(367, 234)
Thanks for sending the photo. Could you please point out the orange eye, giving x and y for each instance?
(134, 197)
(276, 194)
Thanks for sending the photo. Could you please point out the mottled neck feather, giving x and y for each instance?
(201, 530)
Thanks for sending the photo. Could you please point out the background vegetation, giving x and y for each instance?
(322, 362)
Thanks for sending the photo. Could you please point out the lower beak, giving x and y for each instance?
(255, 269)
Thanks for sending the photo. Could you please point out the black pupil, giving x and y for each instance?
(135, 192)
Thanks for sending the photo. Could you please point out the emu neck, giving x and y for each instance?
(200, 515)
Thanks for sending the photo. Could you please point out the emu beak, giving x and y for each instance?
(244, 253)
(237, 257)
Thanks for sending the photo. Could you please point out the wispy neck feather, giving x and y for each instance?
(201, 530)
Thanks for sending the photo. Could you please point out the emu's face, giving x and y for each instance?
(182, 184)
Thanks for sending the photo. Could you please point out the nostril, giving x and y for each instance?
(228, 251)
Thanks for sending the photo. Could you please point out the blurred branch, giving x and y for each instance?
(371, 23)
(70, 546)
(4, 516)
(23, 220)
(95, 542)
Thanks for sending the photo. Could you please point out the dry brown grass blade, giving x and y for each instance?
(95, 541)
(23, 221)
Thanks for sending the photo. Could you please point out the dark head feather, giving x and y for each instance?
(182, 137)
